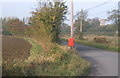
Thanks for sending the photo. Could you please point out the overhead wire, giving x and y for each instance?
(99, 5)
(103, 11)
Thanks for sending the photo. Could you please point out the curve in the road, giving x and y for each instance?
(104, 63)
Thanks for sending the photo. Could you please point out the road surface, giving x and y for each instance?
(104, 63)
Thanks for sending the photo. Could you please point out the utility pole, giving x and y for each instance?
(81, 25)
(72, 18)
(81, 22)
(71, 40)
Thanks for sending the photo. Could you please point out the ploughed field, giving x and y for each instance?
(14, 49)
(14, 52)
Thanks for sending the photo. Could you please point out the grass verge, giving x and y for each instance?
(58, 61)
(96, 45)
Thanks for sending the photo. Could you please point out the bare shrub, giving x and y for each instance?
(85, 38)
(101, 39)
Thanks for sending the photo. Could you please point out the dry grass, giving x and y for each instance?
(112, 40)
(58, 61)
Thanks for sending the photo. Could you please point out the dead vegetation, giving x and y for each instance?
(15, 48)
(101, 39)
(14, 52)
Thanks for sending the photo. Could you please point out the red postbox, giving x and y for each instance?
(71, 42)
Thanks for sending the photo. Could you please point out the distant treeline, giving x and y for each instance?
(53, 23)
(94, 26)
(89, 29)
(13, 26)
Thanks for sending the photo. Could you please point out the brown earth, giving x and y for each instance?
(15, 49)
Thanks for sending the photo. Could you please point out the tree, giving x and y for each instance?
(4, 27)
(95, 22)
(13, 26)
(64, 29)
(51, 15)
(80, 22)
(113, 16)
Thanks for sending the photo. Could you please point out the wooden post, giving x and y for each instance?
(72, 19)
(81, 23)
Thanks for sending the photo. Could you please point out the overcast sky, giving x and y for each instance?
(22, 8)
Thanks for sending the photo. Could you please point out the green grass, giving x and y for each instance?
(63, 62)
(58, 61)
(35, 50)
(96, 45)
